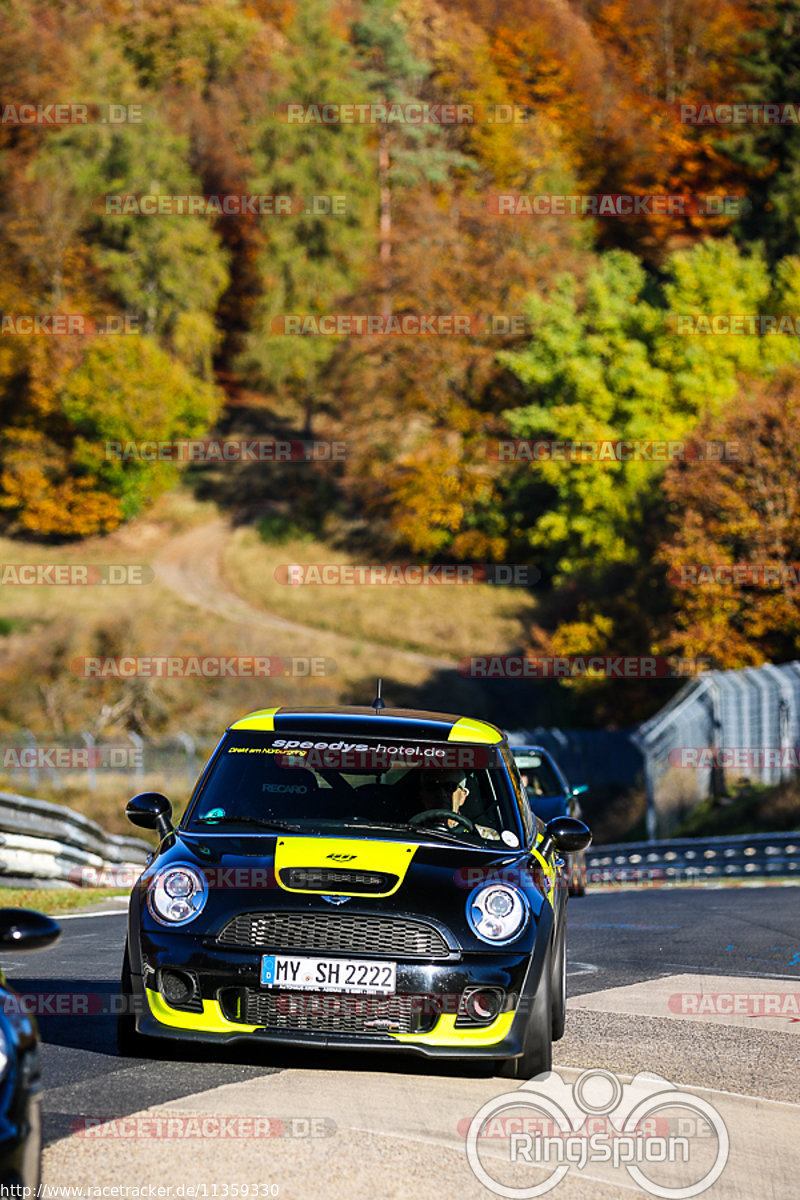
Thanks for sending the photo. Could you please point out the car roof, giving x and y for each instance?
(524, 751)
(396, 723)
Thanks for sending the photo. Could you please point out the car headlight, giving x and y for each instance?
(497, 912)
(177, 894)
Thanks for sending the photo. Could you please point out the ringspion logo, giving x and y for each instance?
(671, 1143)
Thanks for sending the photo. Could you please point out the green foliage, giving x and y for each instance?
(127, 389)
(606, 363)
(277, 529)
(311, 260)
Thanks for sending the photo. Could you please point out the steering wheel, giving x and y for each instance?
(423, 818)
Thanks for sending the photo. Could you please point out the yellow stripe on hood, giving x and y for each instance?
(343, 854)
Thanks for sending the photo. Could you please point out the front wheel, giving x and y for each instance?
(537, 1055)
(130, 1044)
(559, 984)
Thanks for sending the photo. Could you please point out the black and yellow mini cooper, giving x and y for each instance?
(360, 878)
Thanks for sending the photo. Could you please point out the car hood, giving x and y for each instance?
(367, 874)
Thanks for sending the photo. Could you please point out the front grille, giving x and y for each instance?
(323, 879)
(336, 933)
(314, 1012)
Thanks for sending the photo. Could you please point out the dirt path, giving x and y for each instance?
(191, 565)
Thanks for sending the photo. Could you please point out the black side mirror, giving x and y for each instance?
(24, 929)
(567, 835)
(150, 810)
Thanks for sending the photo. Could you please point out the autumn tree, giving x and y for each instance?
(312, 259)
(606, 363)
(732, 552)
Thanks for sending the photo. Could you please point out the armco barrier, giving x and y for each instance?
(696, 860)
(50, 844)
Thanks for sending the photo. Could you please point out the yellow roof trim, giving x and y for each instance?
(262, 721)
(467, 730)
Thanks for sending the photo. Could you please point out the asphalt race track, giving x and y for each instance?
(698, 986)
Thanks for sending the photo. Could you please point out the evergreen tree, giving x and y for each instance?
(768, 156)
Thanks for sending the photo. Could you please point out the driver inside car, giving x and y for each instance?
(448, 790)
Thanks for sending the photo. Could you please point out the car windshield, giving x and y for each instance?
(306, 784)
(538, 775)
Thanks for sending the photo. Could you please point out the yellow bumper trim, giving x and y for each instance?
(444, 1033)
(210, 1020)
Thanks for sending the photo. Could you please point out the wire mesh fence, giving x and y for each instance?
(127, 762)
(723, 727)
(720, 728)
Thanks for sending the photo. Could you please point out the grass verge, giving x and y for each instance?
(55, 900)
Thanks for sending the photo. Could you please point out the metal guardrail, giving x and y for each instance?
(49, 844)
(741, 856)
(52, 846)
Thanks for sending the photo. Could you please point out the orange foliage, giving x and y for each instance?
(747, 512)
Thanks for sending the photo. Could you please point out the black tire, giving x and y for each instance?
(130, 1044)
(577, 875)
(558, 986)
(537, 1055)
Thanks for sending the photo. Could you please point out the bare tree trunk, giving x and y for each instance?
(385, 223)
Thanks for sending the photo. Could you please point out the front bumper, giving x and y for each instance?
(430, 995)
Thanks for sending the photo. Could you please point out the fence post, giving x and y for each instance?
(33, 773)
(717, 777)
(190, 747)
(651, 821)
(91, 774)
(138, 743)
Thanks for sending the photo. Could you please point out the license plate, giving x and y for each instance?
(360, 975)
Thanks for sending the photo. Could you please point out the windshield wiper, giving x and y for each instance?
(420, 829)
(262, 822)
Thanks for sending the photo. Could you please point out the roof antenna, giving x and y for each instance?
(379, 703)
